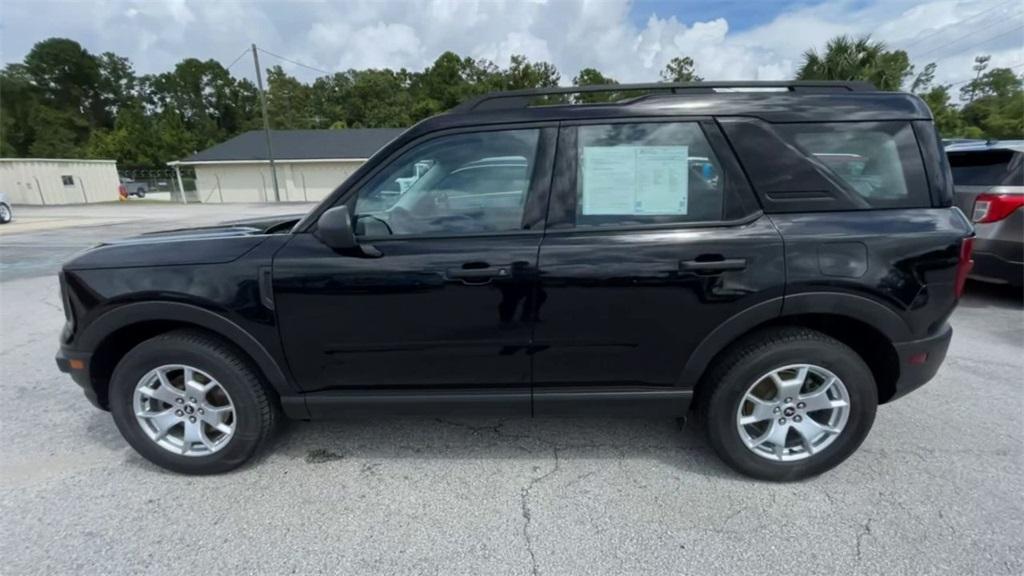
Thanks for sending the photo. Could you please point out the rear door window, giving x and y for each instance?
(646, 173)
(987, 168)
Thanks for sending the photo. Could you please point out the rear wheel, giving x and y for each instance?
(190, 403)
(5, 213)
(789, 403)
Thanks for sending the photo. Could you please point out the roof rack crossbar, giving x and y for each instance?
(522, 98)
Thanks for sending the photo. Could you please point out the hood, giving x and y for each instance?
(214, 244)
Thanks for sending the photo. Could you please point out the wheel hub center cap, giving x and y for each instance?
(189, 409)
(789, 411)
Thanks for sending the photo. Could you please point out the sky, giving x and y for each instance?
(629, 40)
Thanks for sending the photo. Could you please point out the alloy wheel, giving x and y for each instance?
(793, 412)
(184, 410)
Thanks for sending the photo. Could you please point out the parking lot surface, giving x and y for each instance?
(935, 489)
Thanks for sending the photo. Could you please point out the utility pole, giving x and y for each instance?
(266, 122)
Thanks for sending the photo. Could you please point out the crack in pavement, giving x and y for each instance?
(865, 530)
(524, 499)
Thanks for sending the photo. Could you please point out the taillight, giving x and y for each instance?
(995, 207)
(964, 265)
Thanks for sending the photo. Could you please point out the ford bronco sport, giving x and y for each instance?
(782, 257)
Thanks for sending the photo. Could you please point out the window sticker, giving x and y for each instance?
(639, 180)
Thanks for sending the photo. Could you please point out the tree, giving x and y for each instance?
(980, 64)
(996, 103)
(209, 101)
(289, 102)
(522, 73)
(65, 73)
(18, 99)
(117, 86)
(680, 69)
(846, 58)
(378, 99)
(593, 77)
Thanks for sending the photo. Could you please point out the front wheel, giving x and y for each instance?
(190, 403)
(5, 213)
(789, 403)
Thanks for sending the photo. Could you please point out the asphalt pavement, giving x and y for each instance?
(935, 489)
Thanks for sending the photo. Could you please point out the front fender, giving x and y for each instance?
(126, 315)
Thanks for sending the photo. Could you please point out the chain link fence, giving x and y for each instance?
(157, 183)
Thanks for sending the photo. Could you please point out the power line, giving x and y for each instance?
(290, 61)
(964, 21)
(235, 61)
(985, 41)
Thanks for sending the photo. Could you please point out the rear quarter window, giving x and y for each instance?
(828, 166)
(879, 161)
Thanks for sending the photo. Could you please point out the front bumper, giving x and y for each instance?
(920, 360)
(77, 365)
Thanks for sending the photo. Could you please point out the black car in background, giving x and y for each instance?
(782, 259)
(989, 181)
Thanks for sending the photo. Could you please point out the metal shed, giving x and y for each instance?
(49, 181)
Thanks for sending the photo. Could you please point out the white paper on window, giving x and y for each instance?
(639, 180)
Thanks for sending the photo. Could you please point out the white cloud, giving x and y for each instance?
(572, 34)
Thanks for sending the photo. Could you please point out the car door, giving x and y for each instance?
(654, 240)
(438, 296)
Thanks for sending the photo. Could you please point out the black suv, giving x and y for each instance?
(781, 256)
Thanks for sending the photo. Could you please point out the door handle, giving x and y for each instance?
(478, 275)
(713, 266)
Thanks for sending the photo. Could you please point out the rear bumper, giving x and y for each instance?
(992, 267)
(920, 360)
(76, 364)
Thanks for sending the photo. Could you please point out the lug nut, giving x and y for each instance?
(801, 405)
(192, 400)
(788, 400)
(179, 413)
(797, 419)
(777, 410)
(179, 400)
(201, 412)
(782, 420)
(192, 419)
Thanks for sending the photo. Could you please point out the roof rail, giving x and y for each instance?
(522, 98)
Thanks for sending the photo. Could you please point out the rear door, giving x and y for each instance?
(654, 240)
(439, 297)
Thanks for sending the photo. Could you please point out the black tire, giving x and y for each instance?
(768, 350)
(255, 409)
(6, 214)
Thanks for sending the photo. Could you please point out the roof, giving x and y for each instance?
(770, 106)
(346, 144)
(77, 160)
(982, 145)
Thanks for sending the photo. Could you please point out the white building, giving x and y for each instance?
(310, 164)
(46, 181)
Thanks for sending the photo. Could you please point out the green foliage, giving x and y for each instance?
(997, 104)
(63, 101)
(680, 69)
(847, 58)
(593, 77)
(995, 100)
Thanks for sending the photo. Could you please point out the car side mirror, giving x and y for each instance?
(334, 228)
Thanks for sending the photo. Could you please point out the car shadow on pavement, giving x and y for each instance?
(986, 294)
(478, 438)
(383, 438)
